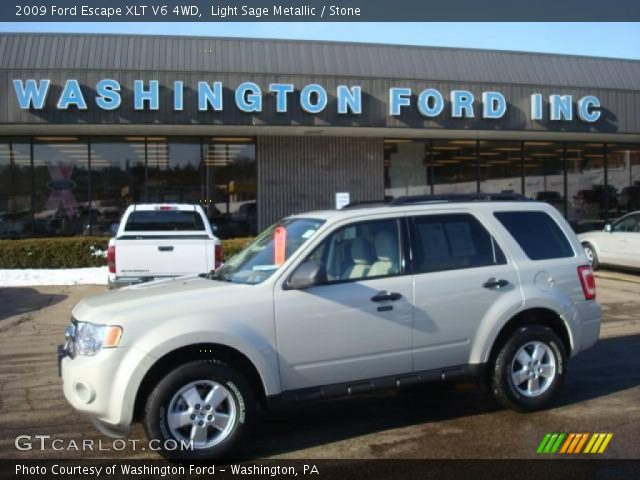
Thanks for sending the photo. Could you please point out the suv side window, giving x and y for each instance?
(630, 223)
(361, 250)
(452, 242)
(539, 236)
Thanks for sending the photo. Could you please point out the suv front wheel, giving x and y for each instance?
(529, 369)
(198, 411)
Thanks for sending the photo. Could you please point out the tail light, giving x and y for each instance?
(218, 256)
(111, 259)
(588, 281)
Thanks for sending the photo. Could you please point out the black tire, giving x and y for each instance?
(593, 256)
(501, 383)
(155, 415)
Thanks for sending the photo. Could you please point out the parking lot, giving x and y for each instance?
(602, 394)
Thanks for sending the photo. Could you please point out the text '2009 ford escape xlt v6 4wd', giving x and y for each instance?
(334, 303)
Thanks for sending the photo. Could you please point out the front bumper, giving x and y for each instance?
(104, 386)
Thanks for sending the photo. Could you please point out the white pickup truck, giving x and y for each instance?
(157, 241)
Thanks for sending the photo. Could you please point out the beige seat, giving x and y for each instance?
(386, 247)
(361, 258)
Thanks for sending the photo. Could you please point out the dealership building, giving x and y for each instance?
(255, 130)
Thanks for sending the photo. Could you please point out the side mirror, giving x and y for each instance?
(307, 275)
(607, 228)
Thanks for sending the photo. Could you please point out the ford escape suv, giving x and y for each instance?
(335, 303)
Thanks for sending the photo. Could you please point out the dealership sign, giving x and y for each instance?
(313, 99)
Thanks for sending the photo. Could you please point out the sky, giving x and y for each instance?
(621, 40)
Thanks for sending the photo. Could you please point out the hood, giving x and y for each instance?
(152, 298)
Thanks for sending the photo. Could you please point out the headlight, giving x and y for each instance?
(90, 338)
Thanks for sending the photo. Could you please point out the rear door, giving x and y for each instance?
(460, 273)
(163, 241)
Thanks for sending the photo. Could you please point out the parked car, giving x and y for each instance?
(618, 244)
(159, 241)
(334, 303)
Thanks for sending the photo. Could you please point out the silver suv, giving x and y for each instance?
(335, 303)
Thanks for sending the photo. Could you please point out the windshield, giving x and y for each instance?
(269, 251)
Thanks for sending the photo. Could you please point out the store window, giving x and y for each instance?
(173, 170)
(230, 185)
(590, 202)
(623, 173)
(406, 168)
(500, 167)
(15, 188)
(61, 180)
(117, 180)
(455, 168)
(544, 173)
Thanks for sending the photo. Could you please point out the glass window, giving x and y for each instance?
(451, 242)
(117, 180)
(15, 189)
(406, 167)
(500, 167)
(589, 206)
(230, 186)
(61, 177)
(269, 251)
(173, 170)
(454, 166)
(544, 173)
(629, 223)
(362, 250)
(623, 165)
(164, 221)
(537, 234)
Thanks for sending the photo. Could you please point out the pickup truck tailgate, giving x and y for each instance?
(164, 256)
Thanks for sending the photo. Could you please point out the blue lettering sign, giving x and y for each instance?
(561, 108)
(108, 94)
(71, 95)
(430, 103)
(31, 94)
(461, 104)
(321, 98)
(140, 95)
(494, 105)
(536, 106)
(398, 98)
(178, 95)
(281, 90)
(588, 109)
(249, 97)
(349, 99)
(207, 96)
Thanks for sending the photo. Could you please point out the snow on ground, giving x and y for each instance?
(61, 276)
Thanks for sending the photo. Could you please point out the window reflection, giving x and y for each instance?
(589, 204)
(61, 179)
(230, 185)
(454, 166)
(500, 167)
(15, 189)
(406, 168)
(544, 173)
(623, 163)
(173, 170)
(117, 181)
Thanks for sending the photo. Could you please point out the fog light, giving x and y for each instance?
(84, 392)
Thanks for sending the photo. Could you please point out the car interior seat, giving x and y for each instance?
(361, 259)
(386, 248)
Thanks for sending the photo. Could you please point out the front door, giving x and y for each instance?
(461, 273)
(358, 323)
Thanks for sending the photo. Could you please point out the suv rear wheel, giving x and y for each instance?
(529, 369)
(204, 404)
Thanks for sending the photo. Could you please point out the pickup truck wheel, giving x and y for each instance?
(205, 405)
(591, 254)
(529, 369)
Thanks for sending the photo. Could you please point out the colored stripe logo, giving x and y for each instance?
(573, 443)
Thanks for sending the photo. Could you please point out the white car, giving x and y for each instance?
(156, 241)
(617, 245)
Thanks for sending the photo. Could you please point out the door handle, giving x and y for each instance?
(165, 249)
(384, 296)
(495, 283)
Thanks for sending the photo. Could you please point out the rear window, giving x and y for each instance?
(537, 234)
(164, 221)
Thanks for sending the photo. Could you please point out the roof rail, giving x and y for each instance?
(367, 204)
(459, 197)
